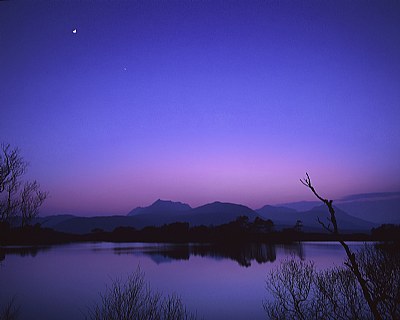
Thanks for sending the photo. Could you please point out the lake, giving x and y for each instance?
(217, 282)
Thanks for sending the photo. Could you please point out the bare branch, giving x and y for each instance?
(12, 200)
(354, 267)
(31, 200)
(327, 228)
(12, 167)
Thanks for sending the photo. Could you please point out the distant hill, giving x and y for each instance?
(286, 217)
(52, 221)
(346, 222)
(282, 217)
(210, 214)
(161, 207)
(271, 211)
(159, 213)
(81, 225)
(218, 213)
(379, 207)
(354, 213)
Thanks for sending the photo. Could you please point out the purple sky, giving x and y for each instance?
(197, 101)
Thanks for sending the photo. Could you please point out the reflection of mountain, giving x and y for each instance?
(168, 253)
(21, 251)
(294, 249)
(244, 254)
(159, 253)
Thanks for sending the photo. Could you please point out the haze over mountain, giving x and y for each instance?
(286, 217)
(375, 207)
(300, 205)
(359, 212)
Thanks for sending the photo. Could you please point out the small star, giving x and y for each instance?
(74, 31)
(125, 68)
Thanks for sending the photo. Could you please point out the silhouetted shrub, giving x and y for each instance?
(390, 232)
(9, 311)
(134, 300)
(301, 292)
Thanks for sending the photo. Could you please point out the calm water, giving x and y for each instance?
(63, 282)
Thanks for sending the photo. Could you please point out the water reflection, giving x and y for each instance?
(21, 251)
(209, 278)
(244, 254)
(294, 249)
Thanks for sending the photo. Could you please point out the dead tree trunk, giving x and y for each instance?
(353, 265)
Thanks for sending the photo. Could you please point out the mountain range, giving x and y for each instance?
(354, 213)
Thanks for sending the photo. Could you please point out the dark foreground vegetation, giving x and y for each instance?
(366, 287)
(300, 291)
(135, 300)
(9, 311)
(132, 299)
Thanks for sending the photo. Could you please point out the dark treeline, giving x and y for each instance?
(239, 230)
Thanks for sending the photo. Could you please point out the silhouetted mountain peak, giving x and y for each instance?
(167, 203)
(161, 206)
(217, 213)
(222, 207)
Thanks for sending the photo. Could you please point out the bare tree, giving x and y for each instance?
(351, 263)
(366, 287)
(31, 200)
(291, 287)
(380, 268)
(14, 201)
(12, 168)
(299, 291)
(134, 299)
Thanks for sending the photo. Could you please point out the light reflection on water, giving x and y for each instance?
(63, 282)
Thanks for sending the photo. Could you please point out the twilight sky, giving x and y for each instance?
(198, 101)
